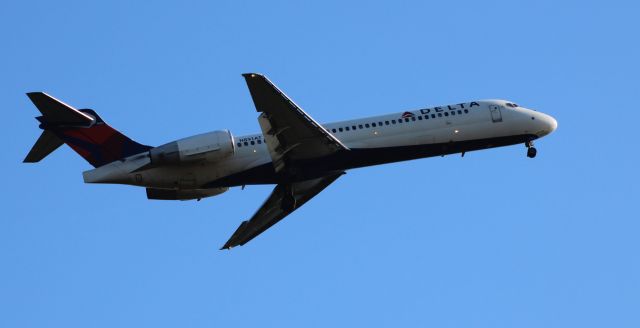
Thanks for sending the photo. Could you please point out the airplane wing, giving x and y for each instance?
(290, 133)
(284, 199)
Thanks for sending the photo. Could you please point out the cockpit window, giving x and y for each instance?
(512, 105)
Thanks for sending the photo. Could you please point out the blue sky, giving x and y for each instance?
(493, 239)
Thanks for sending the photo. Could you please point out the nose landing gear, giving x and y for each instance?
(531, 151)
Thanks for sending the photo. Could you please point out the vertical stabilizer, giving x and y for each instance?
(82, 130)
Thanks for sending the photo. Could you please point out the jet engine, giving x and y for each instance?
(211, 146)
(188, 194)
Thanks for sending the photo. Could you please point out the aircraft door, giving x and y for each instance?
(496, 115)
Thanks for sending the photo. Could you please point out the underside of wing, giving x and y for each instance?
(284, 199)
(290, 133)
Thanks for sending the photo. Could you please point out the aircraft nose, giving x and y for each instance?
(548, 124)
(551, 122)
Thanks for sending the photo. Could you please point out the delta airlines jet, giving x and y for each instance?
(297, 154)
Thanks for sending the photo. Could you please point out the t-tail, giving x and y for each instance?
(82, 130)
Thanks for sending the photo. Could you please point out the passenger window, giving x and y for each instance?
(239, 144)
(466, 111)
(246, 143)
(259, 141)
(459, 112)
(353, 127)
(453, 112)
(346, 128)
(446, 114)
(433, 115)
(413, 118)
(373, 124)
(386, 122)
(340, 129)
(366, 125)
(360, 126)
(406, 119)
(334, 130)
(439, 114)
(379, 123)
(426, 117)
(393, 121)
(253, 142)
(420, 118)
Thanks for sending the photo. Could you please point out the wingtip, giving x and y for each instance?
(228, 245)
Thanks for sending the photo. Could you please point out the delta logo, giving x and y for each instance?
(408, 115)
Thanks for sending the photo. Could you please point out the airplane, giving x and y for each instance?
(293, 151)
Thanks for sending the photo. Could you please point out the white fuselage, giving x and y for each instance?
(373, 140)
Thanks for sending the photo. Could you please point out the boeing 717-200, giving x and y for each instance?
(293, 151)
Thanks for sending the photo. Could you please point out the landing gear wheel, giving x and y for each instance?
(532, 152)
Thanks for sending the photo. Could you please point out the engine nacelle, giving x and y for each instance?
(175, 194)
(211, 146)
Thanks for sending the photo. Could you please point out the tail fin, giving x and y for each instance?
(82, 130)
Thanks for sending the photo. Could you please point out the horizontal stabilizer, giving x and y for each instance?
(47, 143)
(82, 130)
(58, 113)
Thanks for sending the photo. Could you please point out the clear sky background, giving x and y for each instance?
(493, 239)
